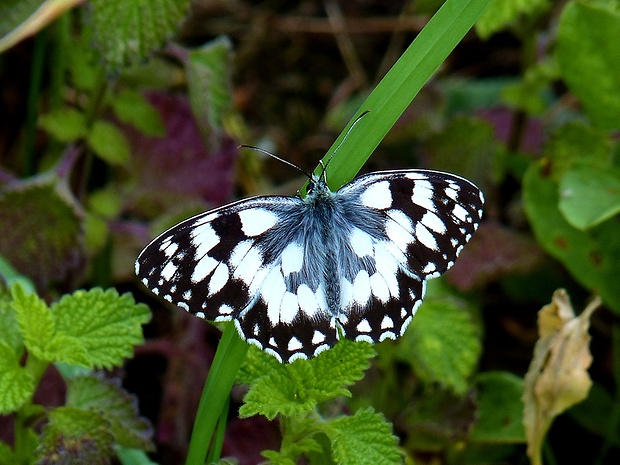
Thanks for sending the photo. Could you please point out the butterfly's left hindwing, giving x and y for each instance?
(293, 274)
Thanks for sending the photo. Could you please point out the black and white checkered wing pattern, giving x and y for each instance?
(235, 263)
(415, 225)
(295, 274)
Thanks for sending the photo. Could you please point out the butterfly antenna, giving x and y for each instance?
(357, 120)
(258, 149)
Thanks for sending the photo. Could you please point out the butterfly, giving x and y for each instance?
(297, 274)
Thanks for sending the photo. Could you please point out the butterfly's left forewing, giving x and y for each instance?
(238, 263)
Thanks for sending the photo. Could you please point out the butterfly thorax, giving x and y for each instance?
(322, 211)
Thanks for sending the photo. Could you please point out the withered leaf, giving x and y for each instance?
(557, 377)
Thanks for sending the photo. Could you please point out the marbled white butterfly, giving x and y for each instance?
(296, 274)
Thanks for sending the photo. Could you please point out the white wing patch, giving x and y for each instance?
(377, 196)
(256, 221)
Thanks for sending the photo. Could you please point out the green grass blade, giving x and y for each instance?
(228, 358)
(399, 86)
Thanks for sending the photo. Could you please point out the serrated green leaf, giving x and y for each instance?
(297, 387)
(127, 32)
(366, 437)
(64, 124)
(502, 13)
(590, 256)
(132, 108)
(41, 229)
(589, 195)
(276, 458)
(587, 52)
(68, 349)
(109, 143)
(35, 322)
(443, 343)
(17, 385)
(209, 83)
(500, 409)
(115, 405)
(107, 326)
(76, 436)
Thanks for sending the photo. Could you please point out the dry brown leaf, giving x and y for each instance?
(557, 377)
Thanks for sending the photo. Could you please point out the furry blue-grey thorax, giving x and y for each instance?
(295, 274)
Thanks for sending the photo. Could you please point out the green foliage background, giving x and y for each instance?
(126, 117)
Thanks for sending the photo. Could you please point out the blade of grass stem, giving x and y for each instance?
(215, 451)
(228, 358)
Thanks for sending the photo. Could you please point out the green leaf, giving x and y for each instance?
(84, 63)
(209, 83)
(589, 195)
(7, 455)
(96, 233)
(17, 385)
(15, 12)
(500, 409)
(502, 13)
(101, 326)
(23, 18)
(132, 108)
(9, 276)
(65, 124)
(578, 143)
(109, 143)
(128, 456)
(9, 329)
(587, 51)
(363, 438)
(590, 256)
(297, 387)
(105, 202)
(443, 343)
(532, 93)
(41, 229)
(35, 322)
(76, 436)
(115, 405)
(127, 32)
